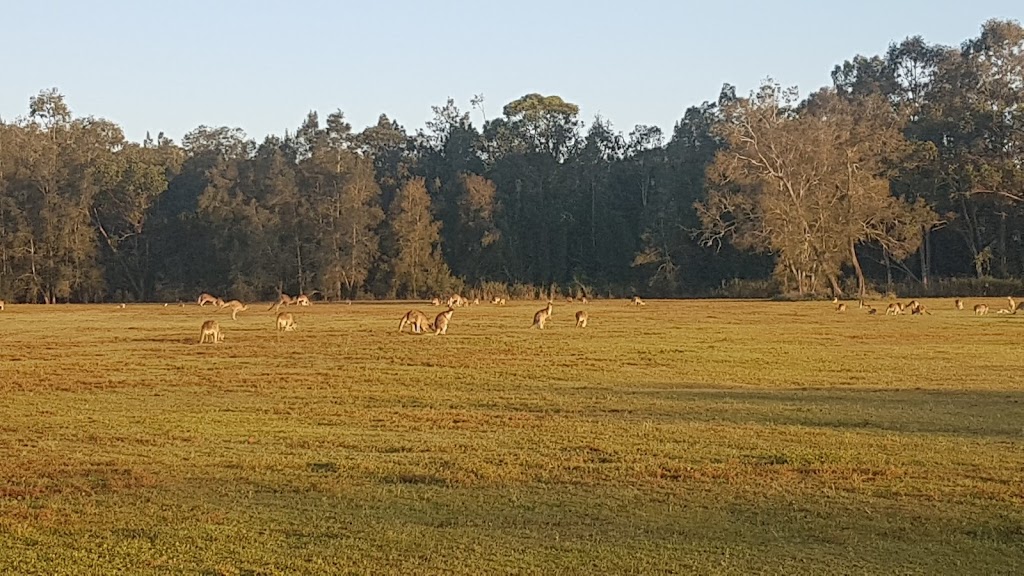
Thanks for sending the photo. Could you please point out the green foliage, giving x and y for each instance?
(416, 264)
(907, 170)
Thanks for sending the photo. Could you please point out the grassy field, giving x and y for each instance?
(682, 437)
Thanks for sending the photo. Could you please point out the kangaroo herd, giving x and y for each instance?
(420, 323)
(417, 321)
(917, 308)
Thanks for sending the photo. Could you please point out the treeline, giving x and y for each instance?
(908, 170)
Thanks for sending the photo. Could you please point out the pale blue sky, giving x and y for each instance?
(260, 65)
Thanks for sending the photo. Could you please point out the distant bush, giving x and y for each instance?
(952, 287)
(746, 289)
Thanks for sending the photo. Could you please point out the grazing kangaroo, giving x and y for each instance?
(637, 301)
(581, 319)
(872, 312)
(418, 320)
(893, 309)
(498, 300)
(980, 309)
(841, 307)
(959, 304)
(285, 322)
(235, 306)
(441, 322)
(435, 302)
(303, 300)
(541, 316)
(919, 310)
(210, 333)
(205, 299)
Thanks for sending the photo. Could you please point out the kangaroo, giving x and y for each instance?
(980, 309)
(1013, 305)
(568, 299)
(416, 319)
(282, 300)
(235, 306)
(2, 304)
(1004, 311)
(205, 299)
(959, 304)
(872, 312)
(920, 310)
(841, 307)
(637, 301)
(541, 317)
(476, 301)
(210, 333)
(583, 300)
(498, 301)
(303, 300)
(861, 305)
(581, 319)
(285, 322)
(441, 322)
(435, 302)
(893, 309)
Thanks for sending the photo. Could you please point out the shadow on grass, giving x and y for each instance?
(993, 414)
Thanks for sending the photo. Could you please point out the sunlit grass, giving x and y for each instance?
(683, 436)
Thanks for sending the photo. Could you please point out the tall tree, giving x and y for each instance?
(417, 267)
(809, 184)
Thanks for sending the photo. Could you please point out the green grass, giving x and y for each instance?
(682, 437)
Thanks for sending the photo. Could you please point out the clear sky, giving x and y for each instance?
(262, 65)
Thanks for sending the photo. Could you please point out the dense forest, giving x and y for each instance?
(907, 173)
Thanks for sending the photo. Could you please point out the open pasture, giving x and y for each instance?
(679, 437)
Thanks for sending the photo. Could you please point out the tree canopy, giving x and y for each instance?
(907, 169)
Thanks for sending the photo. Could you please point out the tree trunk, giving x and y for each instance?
(861, 284)
(888, 271)
(298, 260)
(837, 291)
(1003, 270)
(925, 272)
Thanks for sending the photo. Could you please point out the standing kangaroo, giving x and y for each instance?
(541, 317)
(210, 333)
(441, 322)
(581, 319)
(285, 322)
